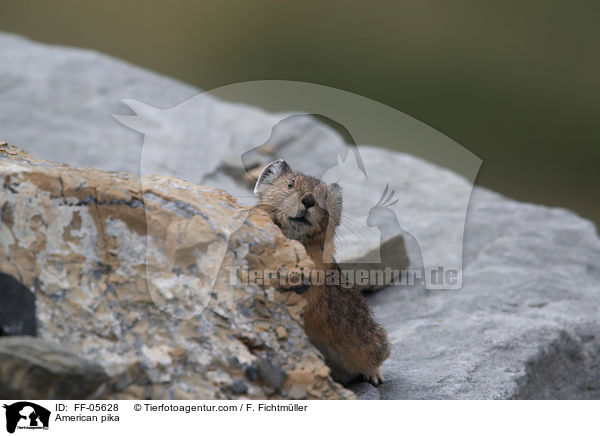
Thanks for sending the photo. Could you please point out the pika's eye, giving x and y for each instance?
(291, 184)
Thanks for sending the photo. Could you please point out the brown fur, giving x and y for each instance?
(337, 319)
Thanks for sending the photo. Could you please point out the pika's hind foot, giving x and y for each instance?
(375, 378)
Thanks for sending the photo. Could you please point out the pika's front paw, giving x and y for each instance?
(375, 378)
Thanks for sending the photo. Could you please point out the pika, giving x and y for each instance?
(337, 318)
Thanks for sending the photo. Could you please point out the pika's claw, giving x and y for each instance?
(374, 378)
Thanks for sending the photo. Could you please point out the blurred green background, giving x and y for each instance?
(516, 82)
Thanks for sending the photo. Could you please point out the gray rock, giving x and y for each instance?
(271, 374)
(57, 103)
(524, 324)
(365, 391)
(238, 387)
(34, 368)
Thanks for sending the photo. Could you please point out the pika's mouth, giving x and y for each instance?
(300, 219)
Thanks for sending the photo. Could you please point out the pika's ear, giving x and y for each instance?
(270, 173)
(334, 202)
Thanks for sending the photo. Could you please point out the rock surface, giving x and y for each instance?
(200, 138)
(525, 323)
(36, 369)
(17, 312)
(138, 281)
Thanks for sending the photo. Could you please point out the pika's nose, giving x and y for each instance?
(308, 201)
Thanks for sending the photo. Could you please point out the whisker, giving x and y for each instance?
(358, 235)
